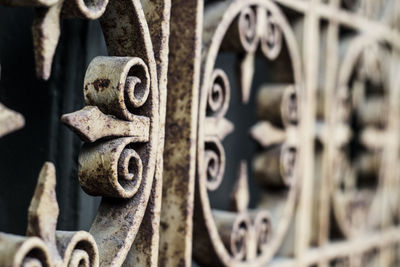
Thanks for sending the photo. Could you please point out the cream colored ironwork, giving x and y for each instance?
(123, 127)
(155, 120)
(44, 246)
(9, 120)
(247, 236)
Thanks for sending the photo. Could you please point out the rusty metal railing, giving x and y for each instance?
(327, 129)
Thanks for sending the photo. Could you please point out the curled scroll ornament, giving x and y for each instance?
(120, 127)
(123, 128)
(241, 236)
(361, 117)
(125, 95)
(44, 246)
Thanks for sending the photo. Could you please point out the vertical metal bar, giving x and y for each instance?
(331, 65)
(181, 133)
(310, 57)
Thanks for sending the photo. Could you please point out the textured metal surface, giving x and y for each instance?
(127, 88)
(124, 92)
(44, 246)
(180, 134)
(157, 118)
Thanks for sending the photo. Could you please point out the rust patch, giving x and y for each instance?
(101, 84)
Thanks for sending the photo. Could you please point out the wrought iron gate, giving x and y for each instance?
(321, 187)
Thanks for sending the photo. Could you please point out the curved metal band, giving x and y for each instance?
(208, 239)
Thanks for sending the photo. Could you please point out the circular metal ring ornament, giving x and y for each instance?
(360, 106)
(245, 236)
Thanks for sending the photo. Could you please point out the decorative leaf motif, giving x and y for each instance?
(44, 246)
(43, 210)
(90, 124)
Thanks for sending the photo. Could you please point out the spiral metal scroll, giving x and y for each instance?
(114, 168)
(122, 97)
(122, 127)
(125, 96)
(44, 246)
(23, 251)
(361, 101)
(240, 236)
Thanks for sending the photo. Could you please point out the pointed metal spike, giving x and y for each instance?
(240, 195)
(43, 210)
(9, 120)
(220, 127)
(90, 124)
(246, 78)
(46, 33)
(266, 134)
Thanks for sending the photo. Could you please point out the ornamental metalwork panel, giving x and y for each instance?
(320, 79)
